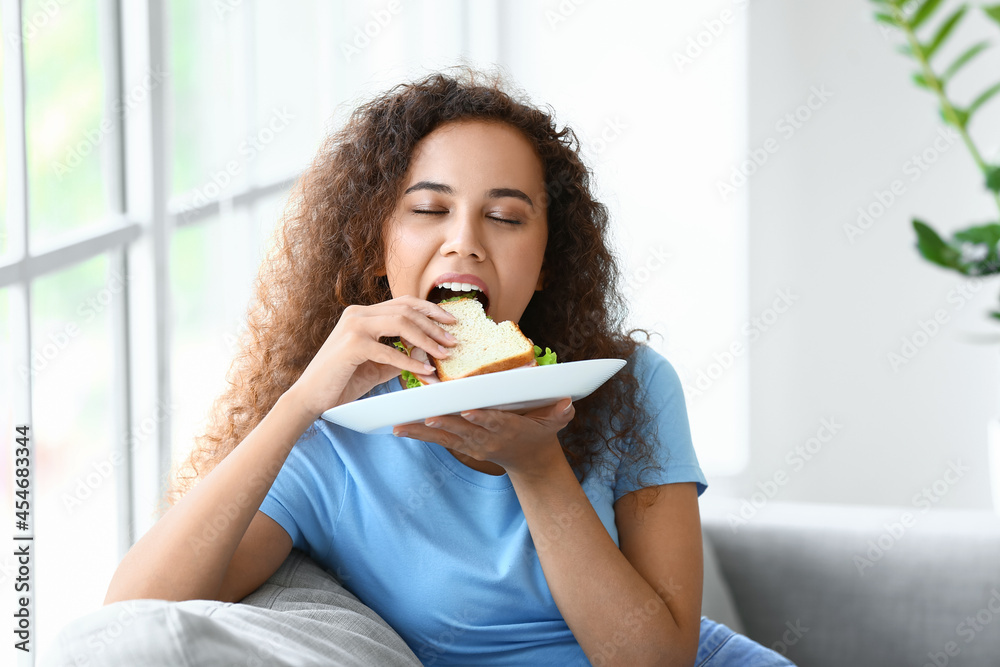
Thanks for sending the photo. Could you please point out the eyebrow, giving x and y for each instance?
(495, 193)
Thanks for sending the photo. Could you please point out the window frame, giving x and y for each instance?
(135, 236)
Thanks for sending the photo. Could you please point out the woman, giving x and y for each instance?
(567, 535)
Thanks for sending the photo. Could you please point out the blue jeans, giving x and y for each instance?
(718, 646)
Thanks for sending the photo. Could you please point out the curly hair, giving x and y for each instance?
(331, 236)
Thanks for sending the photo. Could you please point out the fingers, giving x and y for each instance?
(427, 336)
(515, 442)
(560, 411)
(449, 431)
(428, 308)
(395, 357)
(409, 319)
(417, 329)
(386, 318)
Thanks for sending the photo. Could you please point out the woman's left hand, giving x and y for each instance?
(518, 443)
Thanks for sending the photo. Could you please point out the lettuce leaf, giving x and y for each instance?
(408, 377)
(544, 359)
(463, 295)
(411, 380)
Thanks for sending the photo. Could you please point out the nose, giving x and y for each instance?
(463, 236)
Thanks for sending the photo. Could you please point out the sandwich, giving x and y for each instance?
(483, 346)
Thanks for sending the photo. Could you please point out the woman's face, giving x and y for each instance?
(473, 204)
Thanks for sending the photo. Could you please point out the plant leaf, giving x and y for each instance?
(945, 30)
(977, 248)
(934, 249)
(905, 49)
(969, 54)
(982, 99)
(988, 234)
(993, 178)
(886, 18)
(923, 12)
(963, 117)
(993, 11)
(918, 78)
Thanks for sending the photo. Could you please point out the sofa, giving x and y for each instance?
(851, 586)
(825, 585)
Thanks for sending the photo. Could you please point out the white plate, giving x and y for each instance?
(517, 390)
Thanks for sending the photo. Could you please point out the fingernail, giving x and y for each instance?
(401, 434)
(428, 368)
(468, 415)
(433, 423)
(449, 336)
(443, 349)
(568, 407)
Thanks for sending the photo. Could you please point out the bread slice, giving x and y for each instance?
(483, 345)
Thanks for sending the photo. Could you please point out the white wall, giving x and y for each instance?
(827, 356)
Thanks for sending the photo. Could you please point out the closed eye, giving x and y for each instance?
(509, 222)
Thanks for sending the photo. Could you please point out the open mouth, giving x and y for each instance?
(439, 294)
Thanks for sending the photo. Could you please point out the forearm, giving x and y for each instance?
(186, 553)
(615, 615)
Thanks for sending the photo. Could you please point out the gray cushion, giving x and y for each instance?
(717, 602)
(851, 585)
(299, 617)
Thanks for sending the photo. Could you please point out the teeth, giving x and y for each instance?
(459, 287)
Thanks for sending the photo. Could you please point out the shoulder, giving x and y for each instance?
(660, 390)
(319, 434)
(652, 370)
(667, 448)
(319, 447)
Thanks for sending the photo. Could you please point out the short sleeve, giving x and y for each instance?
(669, 433)
(302, 499)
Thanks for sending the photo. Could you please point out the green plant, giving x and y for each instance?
(972, 251)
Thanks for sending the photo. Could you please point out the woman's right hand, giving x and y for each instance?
(352, 360)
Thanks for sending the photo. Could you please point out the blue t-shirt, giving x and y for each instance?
(441, 551)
